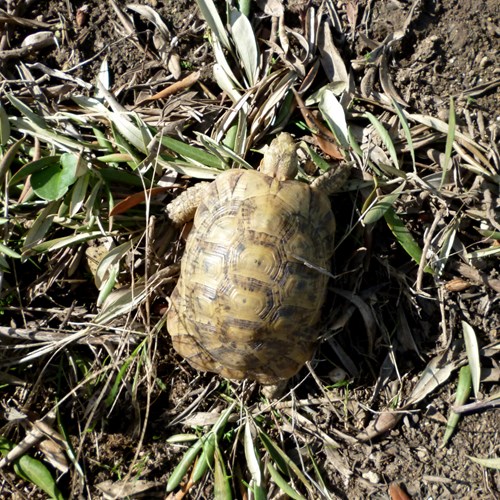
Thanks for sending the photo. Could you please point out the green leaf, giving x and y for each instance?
(110, 399)
(32, 470)
(115, 176)
(222, 486)
(463, 392)
(195, 154)
(4, 127)
(41, 226)
(378, 209)
(284, 462)
(206, 458)
(33, 167)
(406, 129)
(32, 117)
(66, 241)
(52, 183)
(282, 484)
(403, 236)
(78, 194)
(9, 252)
(182, 467)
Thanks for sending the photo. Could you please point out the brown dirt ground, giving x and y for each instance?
(453, 47)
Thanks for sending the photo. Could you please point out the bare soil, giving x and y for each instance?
(451, 50)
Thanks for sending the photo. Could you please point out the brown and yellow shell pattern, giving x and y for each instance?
(251, 289)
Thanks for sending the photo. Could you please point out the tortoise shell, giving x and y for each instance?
(251, 285)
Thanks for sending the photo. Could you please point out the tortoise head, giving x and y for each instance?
(280, 159)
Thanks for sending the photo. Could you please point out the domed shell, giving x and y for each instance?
(251, 288)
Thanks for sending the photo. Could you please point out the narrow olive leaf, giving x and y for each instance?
(102, 140)
(190, 152)
(462, 395)
(449, 141)
(472, 350)
(41, 225)
(8, 158)
(403, 236)
(484, 252)
(153, 17)
(284, 462)
(318, 161)
(5, 250)
(386, 138)
(112, 258)
(208, 451)
(282, 484)
(318, 469)
(266, 114)
(182, 467)
(252, 455)
(32, 470)
(226, 83)
(121, 302)
(53, 182)
(223, 151)
(378, 209)
(406, 130)
(78, 194)
(433, 375)
(246, 44)
(206, 459)
(209, 12)
(111, 397)
(222, 485)
(65, 241)
(116, 158)
(445, 250)
(219, 427)
(491, 463)
(4, 127)
(33, 167)
(257, 492)
(35, 119)
(3, 263)
(189, 169)
(182, 438)
(391, 171)
(276, 453)
(334, 114)
(117, 176)
(134, 134)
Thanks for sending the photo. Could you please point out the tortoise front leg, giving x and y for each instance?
(183, 208)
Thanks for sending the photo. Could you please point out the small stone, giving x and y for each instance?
(371, 476)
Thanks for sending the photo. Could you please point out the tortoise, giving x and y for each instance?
(254, 273)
